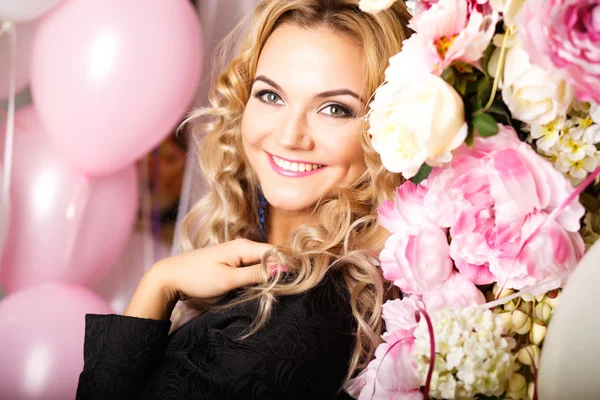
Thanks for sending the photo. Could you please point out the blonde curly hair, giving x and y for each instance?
(347, 237)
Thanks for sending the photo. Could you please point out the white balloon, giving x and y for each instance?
(569, 366)
(25, 10)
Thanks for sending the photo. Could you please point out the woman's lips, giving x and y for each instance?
(290, 173)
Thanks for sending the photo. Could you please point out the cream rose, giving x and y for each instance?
(533, 95)
(509, 10)
(415, 124)
(374, 6)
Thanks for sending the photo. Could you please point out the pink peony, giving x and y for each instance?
(493, 196)
(400, 315)
(416, 256)
(448, 31)
(391, 375)
(456, 292)
(564, 36)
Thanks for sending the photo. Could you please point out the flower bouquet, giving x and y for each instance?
(491, 111)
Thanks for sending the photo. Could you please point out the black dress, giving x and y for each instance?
(302, 352)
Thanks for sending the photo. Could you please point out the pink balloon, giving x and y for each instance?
(25, 34)
(112, 78)
(63, 226)
(141, 253)
(41, 340)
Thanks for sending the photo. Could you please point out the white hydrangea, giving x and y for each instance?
(472, 355)
(570, 143)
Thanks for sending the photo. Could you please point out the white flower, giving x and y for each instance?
(570, 144)
(595, 113)
(374, 6)
(419, 123)
(509, 10)
(472, 355)
(532, 94)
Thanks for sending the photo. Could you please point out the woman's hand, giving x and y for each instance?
(203, 273)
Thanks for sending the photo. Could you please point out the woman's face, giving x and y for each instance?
(301, 127)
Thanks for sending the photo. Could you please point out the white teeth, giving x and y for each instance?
(295, 166)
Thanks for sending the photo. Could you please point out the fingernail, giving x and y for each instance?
(278, 267)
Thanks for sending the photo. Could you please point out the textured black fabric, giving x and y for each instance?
(301, 353)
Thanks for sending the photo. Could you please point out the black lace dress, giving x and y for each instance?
(301, 353)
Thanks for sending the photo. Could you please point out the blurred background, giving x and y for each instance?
(93, 177)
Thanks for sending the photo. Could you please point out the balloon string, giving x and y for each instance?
(75, 211)
(147, 239)
(9, 27)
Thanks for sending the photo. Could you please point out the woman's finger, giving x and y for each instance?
(250, 275)
(244, 252)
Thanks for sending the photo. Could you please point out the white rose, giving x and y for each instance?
(509, 10)
(419, 123)
(532, 94)
(374, 6)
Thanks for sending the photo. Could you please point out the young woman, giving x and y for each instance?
(280, 251)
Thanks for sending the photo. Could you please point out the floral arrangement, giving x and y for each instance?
(490, 112)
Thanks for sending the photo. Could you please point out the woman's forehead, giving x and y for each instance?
(319, 57)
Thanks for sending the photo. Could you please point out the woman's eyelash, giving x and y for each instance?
(346, 111)
(260, 95)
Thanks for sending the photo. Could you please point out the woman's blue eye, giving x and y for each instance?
(337, 111)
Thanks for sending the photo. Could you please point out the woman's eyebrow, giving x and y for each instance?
(340, 92)
(328, 93)
(268, 81)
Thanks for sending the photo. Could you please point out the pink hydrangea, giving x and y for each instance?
(493, 196)
(564, 35)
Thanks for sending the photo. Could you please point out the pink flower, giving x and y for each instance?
(416, 256)
(456, 292)
(400, 315)
(493, 196)
(564, 36)
(448, 31)
(391, 375)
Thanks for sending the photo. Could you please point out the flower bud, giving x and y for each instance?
(517, 386)
(551, 297)
(527, 297)
(542, 311)
(502, 293)
(520, 322)
(537, 332)
(530, 390)
(540, 297)
(511, 305)
(529, 355)
(506, 318)
(526, 307)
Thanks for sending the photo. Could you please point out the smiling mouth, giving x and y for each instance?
(295, 166)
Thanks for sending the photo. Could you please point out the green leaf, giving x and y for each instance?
(484, 89)
(461, 86)
(449, 75)
(487, 56)
(423, 173)
(589, 202)
(485, 125)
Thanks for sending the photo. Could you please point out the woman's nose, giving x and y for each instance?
(293, 132)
